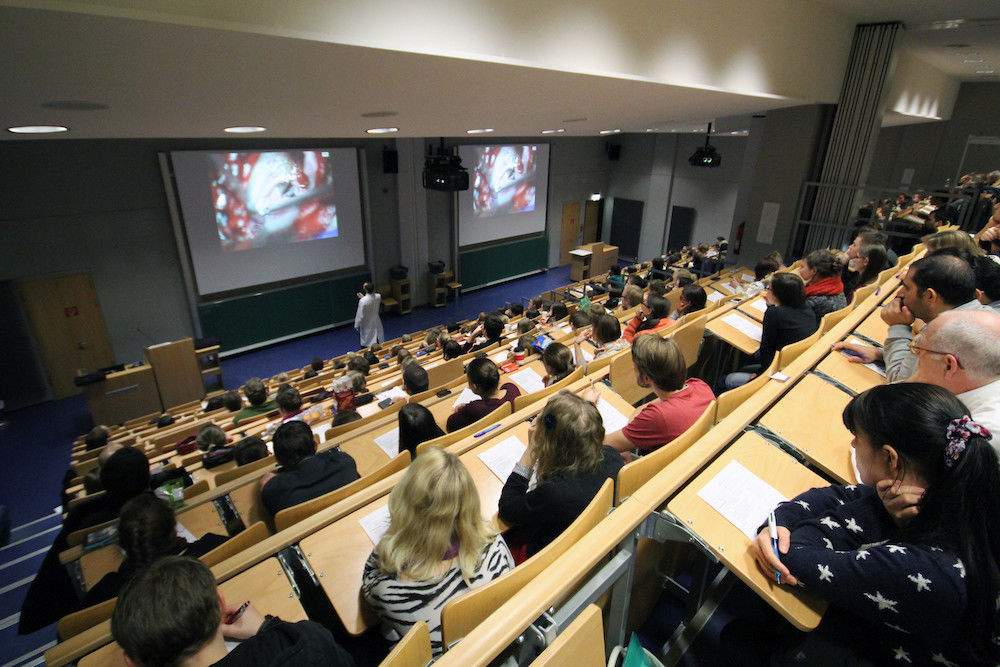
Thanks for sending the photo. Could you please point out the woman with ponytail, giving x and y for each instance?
(147, 531)
(917, 585)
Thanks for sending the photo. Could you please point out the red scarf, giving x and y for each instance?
(830, 286)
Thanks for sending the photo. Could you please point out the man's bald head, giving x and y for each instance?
(106, 453)
(973, 338)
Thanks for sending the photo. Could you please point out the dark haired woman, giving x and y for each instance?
(653, 316)
(416, 425)
(558, 362)
(865, 267)
(916, 586)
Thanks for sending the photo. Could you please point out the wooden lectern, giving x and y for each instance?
(123, 395)
(177, 372)
(592, 259)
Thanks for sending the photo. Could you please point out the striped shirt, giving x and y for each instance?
(401, 603)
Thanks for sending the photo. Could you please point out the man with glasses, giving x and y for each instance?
(938, 283)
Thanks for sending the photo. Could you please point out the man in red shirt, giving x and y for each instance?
(660, 366)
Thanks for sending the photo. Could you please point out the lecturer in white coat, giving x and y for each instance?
(367, 321)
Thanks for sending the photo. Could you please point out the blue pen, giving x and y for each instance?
(774, 541)
(487, 430)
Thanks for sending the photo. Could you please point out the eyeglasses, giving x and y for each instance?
(914, 347)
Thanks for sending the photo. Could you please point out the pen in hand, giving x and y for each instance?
(773, 529)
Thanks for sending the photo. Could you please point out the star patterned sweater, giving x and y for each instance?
(913, 595)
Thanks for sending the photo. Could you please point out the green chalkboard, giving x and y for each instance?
(256, 318)
(486, 265)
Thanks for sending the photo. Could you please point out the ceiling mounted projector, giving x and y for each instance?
(705, 156)
(444, 171)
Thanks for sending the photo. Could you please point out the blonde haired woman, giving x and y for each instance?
(566, 454)
(437, 546)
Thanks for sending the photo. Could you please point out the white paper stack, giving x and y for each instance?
(376, 523)
(500, 458)
(743, 325)
(467, 396)
(388, 442)
(528, 380)
(741, 497)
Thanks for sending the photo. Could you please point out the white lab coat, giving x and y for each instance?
(367, 321)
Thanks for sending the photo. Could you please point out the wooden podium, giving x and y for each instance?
(123, 395)
(591, 259)
(178, 374)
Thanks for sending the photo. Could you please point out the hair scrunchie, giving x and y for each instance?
(958, 434)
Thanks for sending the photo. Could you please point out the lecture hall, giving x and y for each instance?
(500, 333)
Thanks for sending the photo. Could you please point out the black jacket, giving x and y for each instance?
(280, 643)
(311, 477)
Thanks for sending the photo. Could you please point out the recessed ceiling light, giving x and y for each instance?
(73, 105)
(482, 130)
(37, 129)
(610, 131)
(379, 114)
(382, 130)
(557, 131)
(972, 61)
(986, 71)
(245, 129)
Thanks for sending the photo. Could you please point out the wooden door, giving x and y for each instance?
(591, 215)
(68, 328)
(569, 238)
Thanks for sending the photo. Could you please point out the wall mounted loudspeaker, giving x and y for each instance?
(390, 161)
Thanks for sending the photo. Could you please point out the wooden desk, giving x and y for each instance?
(856, 376)
(808, 417)
(729, 544)
(754, 307)
(729, 333)
(874, 327)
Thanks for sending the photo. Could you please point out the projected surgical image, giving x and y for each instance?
(268, 198)
(503, 180)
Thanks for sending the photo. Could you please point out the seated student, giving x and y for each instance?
(415, 379)
(358, 363)
(656, 287)
(787, 320)
(988, 281)
(595, 311)
(824, 288)
(659, 270)
(97, 437)
(491, 330)
(607, 334)
(615, 277)
(863, 268)
(304, 474)
(52, 594)
(558, 312)
(256, 393)
(558, 362)
(345, 417)
(914, 579)
(289, 402)
(315, 366)
(173, 614)
(514, 310)
(484, 381)
(404, 356)
(631, 297)
(416, 425)
(437, 546)
(682, 277)
(651, 317)
(231, 401)
(579, 319)
(451, 350)
(693, 298)
(211, 438)
(92, 480)
(659, 366)
(637, 280)
(566, 454)
(358, 384)
(147, 531)
(249, 449)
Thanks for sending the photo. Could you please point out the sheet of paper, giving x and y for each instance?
(501, 457)
(759, 304)
(613, 419)
(392, 392)
(189, 537)
(319, 430)
(580, 253)
(388, 442)
(376, 523)
(875, 367)
(714, 296)
(747, 278)
(587, 356)
(528, 380)
(564, 327)
(743, 498)
(743, 325)
(500, 357)
(467, 396)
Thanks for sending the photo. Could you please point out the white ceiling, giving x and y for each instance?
(166, 77)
